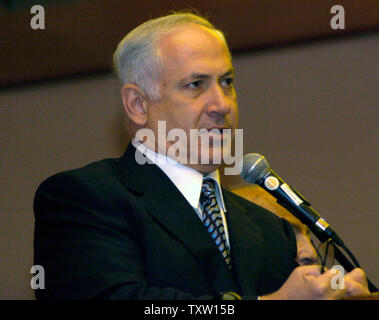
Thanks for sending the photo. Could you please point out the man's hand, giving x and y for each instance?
(356, 283)
(307, 283)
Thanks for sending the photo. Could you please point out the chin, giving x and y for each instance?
(205, 168)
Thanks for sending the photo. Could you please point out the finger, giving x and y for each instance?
(333, 280)
(312, 270)
(326, 285)
(311, 273)
(330, 274)
(354, 288)
(359, 276)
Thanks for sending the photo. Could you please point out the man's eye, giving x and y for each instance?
(227, 82)
(195, 84)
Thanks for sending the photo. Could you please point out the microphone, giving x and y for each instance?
(257, 170)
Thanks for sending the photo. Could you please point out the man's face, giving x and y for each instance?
(196, 88)
(306, 252)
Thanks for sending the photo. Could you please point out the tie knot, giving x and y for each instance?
(207, 191)
(208, 186)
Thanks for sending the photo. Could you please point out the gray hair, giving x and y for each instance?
(137, 60)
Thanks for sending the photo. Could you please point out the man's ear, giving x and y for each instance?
(135, 104)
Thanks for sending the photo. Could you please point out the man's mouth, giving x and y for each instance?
(214, 130)
(217, 132)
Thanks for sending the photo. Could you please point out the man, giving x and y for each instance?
(306, 252)
(119, 229)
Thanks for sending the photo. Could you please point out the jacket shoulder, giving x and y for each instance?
(99, 184)
(95, 174)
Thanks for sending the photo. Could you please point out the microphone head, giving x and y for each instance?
(254, 166)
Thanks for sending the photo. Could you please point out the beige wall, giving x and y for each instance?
(311, 110)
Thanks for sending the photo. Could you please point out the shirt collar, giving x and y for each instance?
(188, 180)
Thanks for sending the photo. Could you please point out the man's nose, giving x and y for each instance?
(219, 103)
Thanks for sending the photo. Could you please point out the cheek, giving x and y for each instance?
(179, 120)
(187, 116)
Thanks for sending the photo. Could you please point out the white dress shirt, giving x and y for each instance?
(188, 181)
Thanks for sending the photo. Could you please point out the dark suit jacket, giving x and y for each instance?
(115, 229)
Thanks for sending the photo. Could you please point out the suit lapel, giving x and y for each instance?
(164, 202)
(246, 241)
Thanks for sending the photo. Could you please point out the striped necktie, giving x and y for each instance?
(212, 218)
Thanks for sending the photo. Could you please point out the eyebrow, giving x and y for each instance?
(196, 75)
(230, 72)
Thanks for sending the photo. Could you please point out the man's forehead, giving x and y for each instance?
(194, 50)
(299, 226)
